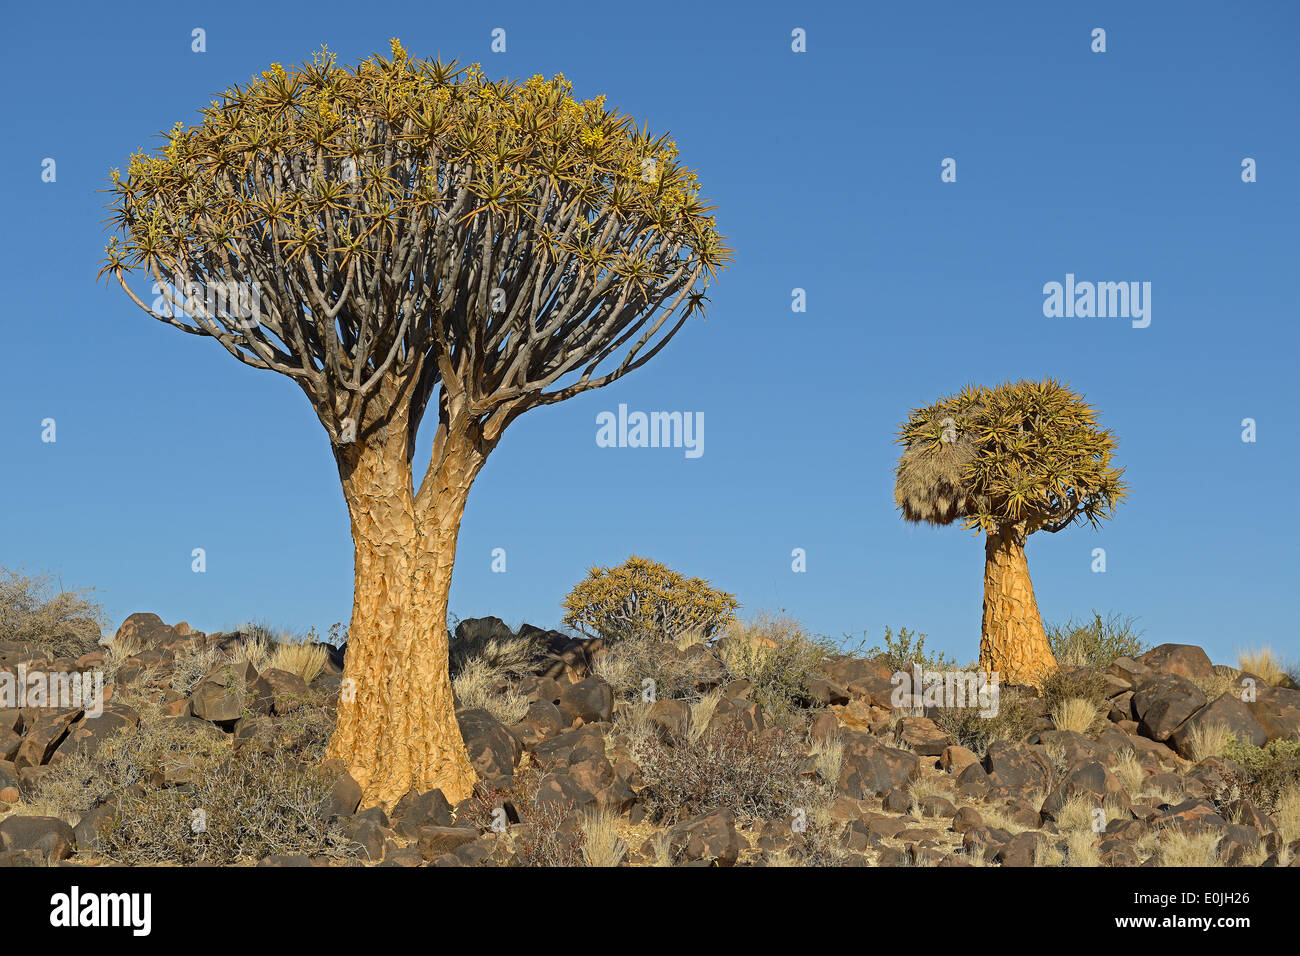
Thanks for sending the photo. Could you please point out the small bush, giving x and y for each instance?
(1074, 683)
(899, 652)
(632, 660)
(1095, 643)
(752, 776)
(643, 597)
(238, 810)
(1014, 720)
(34, 611)
(780, 659)
(1268, 771)
(127, 759)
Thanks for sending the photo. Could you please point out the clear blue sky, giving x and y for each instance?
(1122, 166)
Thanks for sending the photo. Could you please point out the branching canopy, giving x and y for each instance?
(411, 221)
(1029, 454)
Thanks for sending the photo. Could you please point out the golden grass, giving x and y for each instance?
(475, 686)
(701, 713)
(1075, 714)
(1263, 663)
(829, 758)
(1179, 848)
(305, 659)
(1287, 814)
(1208, 741)
(602, 846)
(1081, 849)
(1128, 770)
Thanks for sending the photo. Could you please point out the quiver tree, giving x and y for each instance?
(399, 236)
(1008, 461)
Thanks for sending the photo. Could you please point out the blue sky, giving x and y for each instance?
(825, 166)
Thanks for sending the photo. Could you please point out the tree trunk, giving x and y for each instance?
(397, 726)
(1012, 641)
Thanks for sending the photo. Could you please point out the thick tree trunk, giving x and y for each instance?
(1012, 641)
(397, 726)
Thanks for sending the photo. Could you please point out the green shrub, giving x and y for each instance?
(34, 611)
(1266, 771)
(1016, 718)
(631, 661)
(642, 597)
(780, 659)
(1095, 643)
(900, 651)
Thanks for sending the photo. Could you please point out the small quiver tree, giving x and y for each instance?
(642, 598)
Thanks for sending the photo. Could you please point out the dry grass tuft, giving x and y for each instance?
(1208, 741)
(303, 658)
(602, 845)
(1262, 662)
(1076, 714)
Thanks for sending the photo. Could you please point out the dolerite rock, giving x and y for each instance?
(873, 769)
(936, 806)
(1015, 767)
(556, 752)
(345, 797)
(1227, 711)
(1193, 815)
(710, 837)
(733, 713)
(434, 841)
(588, 780)
(1020, 849)
(147, 628)
(222, 693)
(590, 700)
(965, 819)
(278, 692)
(415, 811)
(923, 736)
(823, 692)
(1163, 702)
(479, 630)
(43, 737)
(50, 835)
(709, 670)
(94, 823)
(673, 716)
(542, 722)
(1185, 660)
(89, 732)
(1278, 711)
(492, 749)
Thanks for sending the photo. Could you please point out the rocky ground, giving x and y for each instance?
(763, 748)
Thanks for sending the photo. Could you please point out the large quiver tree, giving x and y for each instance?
(1008, 461)
(401, 235)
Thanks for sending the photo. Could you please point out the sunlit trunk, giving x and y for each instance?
(1012, 641)
(397, 726)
